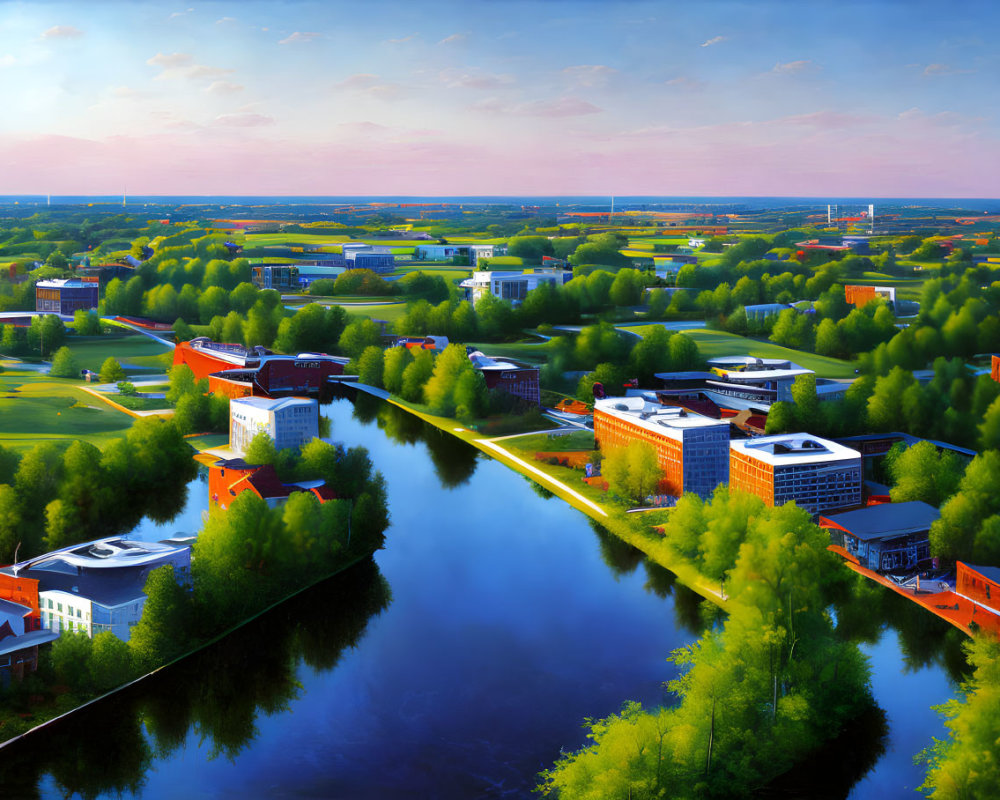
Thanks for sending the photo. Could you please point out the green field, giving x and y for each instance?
(134, 350)
(578, 440)
(291, 239)
(714, 344)
(389, 313)
(35, 408)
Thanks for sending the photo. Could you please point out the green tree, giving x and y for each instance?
(70, 657)
(396, 360)
(111, 371)
(86, 323)
(165, 628)
(632, 471)
(261, 449)
(415, 376)
(110, 662)
(370, 366)
(64, 364)
(920, 472)
(359, 335)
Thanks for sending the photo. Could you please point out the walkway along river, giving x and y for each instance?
(497, 619)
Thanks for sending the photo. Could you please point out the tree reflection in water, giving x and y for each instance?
(218, 692)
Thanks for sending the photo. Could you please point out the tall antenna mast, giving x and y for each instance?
(612, 208)
(124, 192)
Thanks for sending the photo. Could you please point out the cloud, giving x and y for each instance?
(794, 67)
(62, 32)
(455, 37)
(402, 39)
(202, 72)
(244, 120)
(558, 107)
(589, 74)
(225, 21)
(299, 37)
(180, 13)
(7, 60)
(828, 120)
(223, 87)
(171, 61)
(128, 93)
(474, 79)
(358, 81)
(944, 69)
(713, 40)
(685, 82)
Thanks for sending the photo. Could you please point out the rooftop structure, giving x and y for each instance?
(228, 478)
(466, 253)
(290, 421)
(819, 475)
(98, 585)
(888, 537)
(65, 296)
(506, 376)
(511, 286)
(860, 296)
(691, 450)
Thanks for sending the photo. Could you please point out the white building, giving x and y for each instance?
(767, 381)
(819, 475)
(511, 286)
(98, 586)
(467, 253)
(289, 421)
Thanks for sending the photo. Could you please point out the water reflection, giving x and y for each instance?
(220, 693)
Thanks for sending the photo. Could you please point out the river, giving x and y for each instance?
(494, 621)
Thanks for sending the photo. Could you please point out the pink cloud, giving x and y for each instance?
(62, 32)
(558, 107)
(245, 120)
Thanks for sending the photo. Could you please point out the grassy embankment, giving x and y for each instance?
(566, 484)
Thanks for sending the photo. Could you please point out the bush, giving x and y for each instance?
(64, 364)
(111, 371)
(126, 388)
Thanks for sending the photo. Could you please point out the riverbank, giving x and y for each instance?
(597, 511)
(62, 715)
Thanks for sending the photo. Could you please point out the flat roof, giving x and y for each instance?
(16, 609)
(273, 404)
(64, 283)
(886, 519)
(110, 553)
(669, 421)
(764, 374)
(752, 361)
(793, 448)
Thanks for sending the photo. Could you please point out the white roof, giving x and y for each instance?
(750, 361)
(273, 404)
(668, 421)
(794, 448)
(485, 362)
(110, 553)
(756, 375)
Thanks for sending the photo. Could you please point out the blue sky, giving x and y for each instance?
(500, 97)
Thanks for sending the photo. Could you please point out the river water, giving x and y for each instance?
(494, 621)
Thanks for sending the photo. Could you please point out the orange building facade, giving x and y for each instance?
(751, 475)
(981, 585)
(995, 368)
(692, 451)
(859, 296)
(23, 591)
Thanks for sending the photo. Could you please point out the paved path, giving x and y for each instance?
(542, 476)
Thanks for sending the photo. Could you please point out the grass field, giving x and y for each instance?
(714, 344)
(388, 313)
(578, 440)
(35, 408)
(271, 239)
(133, 350)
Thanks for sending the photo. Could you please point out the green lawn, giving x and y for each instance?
(291, 239)
(36, 408)
(714, 344)
(520, 351)
(389, 313)
(547, 442)
(132, 350)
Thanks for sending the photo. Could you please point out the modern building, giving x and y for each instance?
(465, 253)
(751, 383)
(377, 258)
(691, 450)
(995, 368)
(511, 286)
(819, 475)
(98, 586)
(236, 371)
(761, 311)
(888, 537)
(505, 376)
(290, 421)
(228, 478)
(860, 296)
(283, 277)
(65, 295)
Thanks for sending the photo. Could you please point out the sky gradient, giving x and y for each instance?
(880, 99)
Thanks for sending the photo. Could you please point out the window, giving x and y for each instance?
(59, 607)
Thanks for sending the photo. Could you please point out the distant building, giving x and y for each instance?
(860, 296)
(466, 253)
(65, 296)
(229, 478)
(290, 421)
(819, 475)
(377, 258)
(995, 368)
(691, 450)
(98, 586)
(888, 537)
(283, 277)
(762, 311)
(505, 376)
(510, 286)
